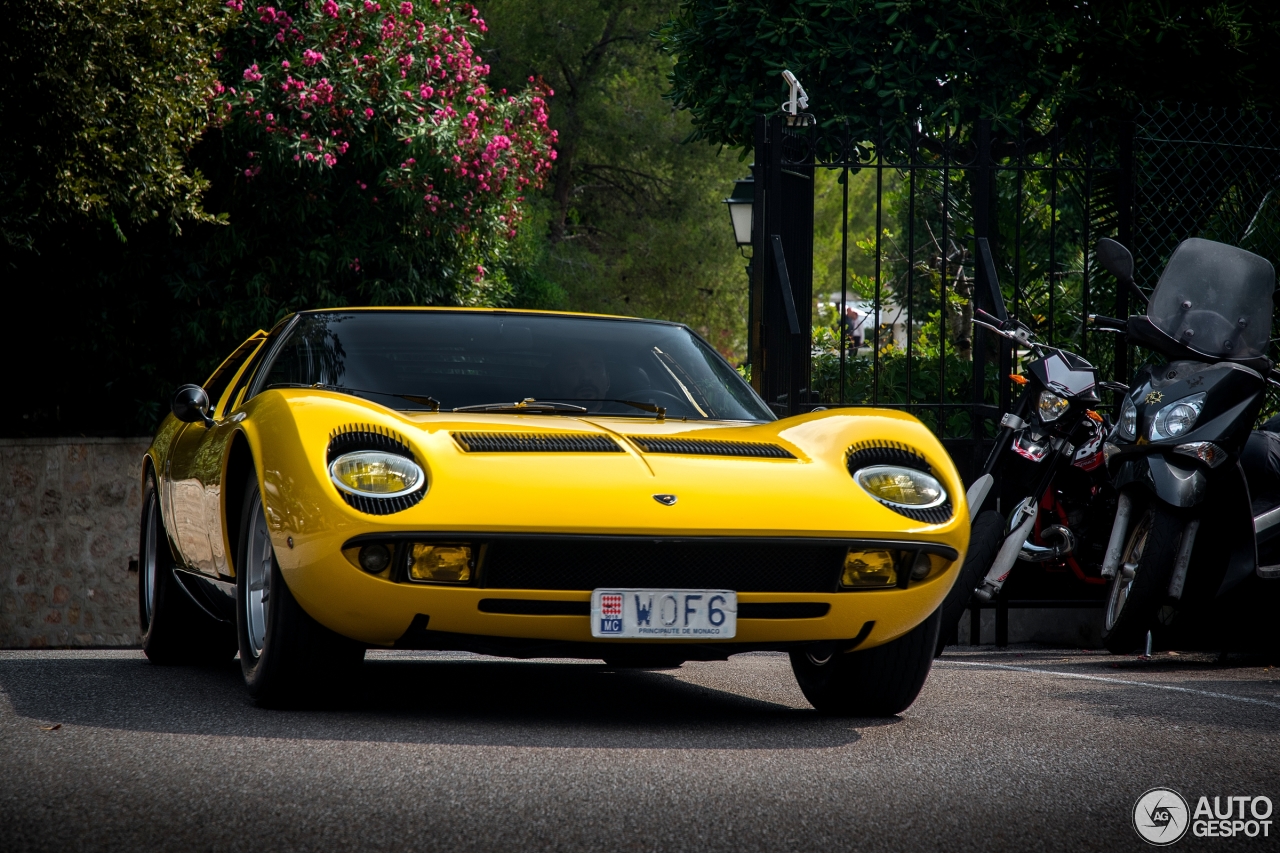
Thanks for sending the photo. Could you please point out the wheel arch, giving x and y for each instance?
(240, 467)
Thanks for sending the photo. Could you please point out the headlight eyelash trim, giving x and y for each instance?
(863, 454)
(354, 437)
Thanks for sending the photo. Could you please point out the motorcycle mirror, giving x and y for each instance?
(1115, 258)
(1118, 261)
(191, 404)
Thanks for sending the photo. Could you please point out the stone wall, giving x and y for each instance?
(69, 512)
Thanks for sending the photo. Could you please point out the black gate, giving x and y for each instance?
(863, 276)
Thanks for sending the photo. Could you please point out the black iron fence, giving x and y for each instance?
(864, 282)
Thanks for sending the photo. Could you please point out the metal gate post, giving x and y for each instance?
(782, 252)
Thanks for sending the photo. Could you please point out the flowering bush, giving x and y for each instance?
(382, 120)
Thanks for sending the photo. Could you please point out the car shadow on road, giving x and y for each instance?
(480, 702)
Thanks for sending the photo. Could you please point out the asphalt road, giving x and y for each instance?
(1021, 750)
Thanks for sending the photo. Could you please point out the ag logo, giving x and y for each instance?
(1154, 397)
(1161, 816)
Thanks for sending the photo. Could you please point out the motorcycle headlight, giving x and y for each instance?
(376, 474)
(905, 487)
(1176, 418)
(1052, 406)
(1127, 426)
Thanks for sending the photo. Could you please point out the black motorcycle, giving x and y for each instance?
(1197, 522)
(1048, 461)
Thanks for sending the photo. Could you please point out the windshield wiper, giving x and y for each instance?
(527, 406)
(660, 411)
(427, 400)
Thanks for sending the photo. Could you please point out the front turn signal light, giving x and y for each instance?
(441, 563)
(870, 570)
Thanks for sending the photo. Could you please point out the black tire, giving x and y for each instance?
(1132, 602)
(175, 630)
(878, 682)
(986, 535)
(287, 657)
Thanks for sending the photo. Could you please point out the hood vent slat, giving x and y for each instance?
(711, 447)
(532, 442)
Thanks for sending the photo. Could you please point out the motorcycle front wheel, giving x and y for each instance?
(986, 535)
(1142, 579)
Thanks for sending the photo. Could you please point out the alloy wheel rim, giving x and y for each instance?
(149, 563)
(258, 581)
(1127, 571)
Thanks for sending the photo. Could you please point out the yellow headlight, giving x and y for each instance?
(1052, 406)
(441, 563)
(371, 472)
(864, 569)
(902, 486)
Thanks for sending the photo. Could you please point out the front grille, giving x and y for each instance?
(585, 564)
(532, 442)
(705, 447)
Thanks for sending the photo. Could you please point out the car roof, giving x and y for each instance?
(483, 310)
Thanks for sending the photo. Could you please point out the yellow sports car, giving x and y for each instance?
(534, 484)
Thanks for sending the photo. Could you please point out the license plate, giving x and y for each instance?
(687, 614)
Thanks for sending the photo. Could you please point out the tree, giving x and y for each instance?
(353, 154)
(100, 100)
(633, 217)
(364, 158)
(868, 61)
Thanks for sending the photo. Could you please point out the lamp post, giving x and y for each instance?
(741, 205)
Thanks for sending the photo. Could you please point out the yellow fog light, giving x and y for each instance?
(376, 474)
(441, 563)
(868, 569)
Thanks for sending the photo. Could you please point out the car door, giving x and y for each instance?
(195, 469)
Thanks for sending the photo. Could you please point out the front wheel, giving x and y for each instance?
(1142, 579)
(985, 537)
(285, 655)
(878, 682)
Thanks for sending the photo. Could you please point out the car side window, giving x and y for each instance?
(246, 378)
(216, 384)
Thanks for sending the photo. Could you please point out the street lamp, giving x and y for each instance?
(740, 204)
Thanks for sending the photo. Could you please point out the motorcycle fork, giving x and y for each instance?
(1020, 524)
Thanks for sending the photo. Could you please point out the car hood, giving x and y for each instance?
(482, 478)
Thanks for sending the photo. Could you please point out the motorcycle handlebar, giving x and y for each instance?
(1104, 322)
(988, 318)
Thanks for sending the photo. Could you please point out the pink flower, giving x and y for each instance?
(329, 159)
(284, 64)
(330, 8)
(235, 4)
(310, 57)
(252, 74)
(406, 9)
(368, 112)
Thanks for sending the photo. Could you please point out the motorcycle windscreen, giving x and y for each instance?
(1215, 299)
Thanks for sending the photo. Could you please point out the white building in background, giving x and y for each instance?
(861, 320)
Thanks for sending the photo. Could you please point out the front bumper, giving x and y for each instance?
(527, 622)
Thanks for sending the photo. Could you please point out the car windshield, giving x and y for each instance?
(1215, 299)
(416, 360)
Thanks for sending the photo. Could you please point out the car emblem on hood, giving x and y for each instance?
(665, 500)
